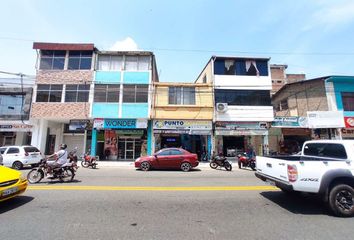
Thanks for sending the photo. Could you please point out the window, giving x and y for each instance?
(325, 150)
(251, 67)
(137, 63)
(176, 152)
(348, 101)
(2, 150)
(52, 60)
(110, 63)
(13, 150)
(49, 92)
(243, 97)
(135, 93)
(106, 93)
(31, 149)
(181, 95)
(80, 60)
(77, 93)
(164, 153)
(11, 105)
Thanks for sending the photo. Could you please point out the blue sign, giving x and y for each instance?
(119, 123)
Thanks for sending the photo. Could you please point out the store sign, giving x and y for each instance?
(240, 125)
(119, 123)
(290, 122)
(347, 133)
(182, 124)
(130, 132)
(15, 127)
(76, 125)
(241, 132)
(349, 122)
(325, 119)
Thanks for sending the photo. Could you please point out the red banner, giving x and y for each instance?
(349, 122)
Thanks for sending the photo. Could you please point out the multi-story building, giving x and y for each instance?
(61, 106)
(183, 114)
(280, 77)
(15, 104)
(121, 104)
(242, 102)
(314, 108)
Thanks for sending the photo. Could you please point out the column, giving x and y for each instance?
(93, 142)
(149, 138)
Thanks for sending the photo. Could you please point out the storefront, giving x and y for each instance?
(120, 139)
(15, 133)
(232, 138)
(294, 132)
(192, 135)
(348, 131)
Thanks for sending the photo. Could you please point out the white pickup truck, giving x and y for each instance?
(324, 167)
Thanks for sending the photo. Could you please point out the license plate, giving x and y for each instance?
(270, 182)
(9, 191)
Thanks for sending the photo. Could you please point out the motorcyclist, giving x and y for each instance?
(60, 156)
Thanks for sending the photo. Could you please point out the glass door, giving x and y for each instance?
(129, 149)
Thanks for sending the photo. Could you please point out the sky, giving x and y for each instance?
(315, 37)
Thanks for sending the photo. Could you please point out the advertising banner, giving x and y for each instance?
(325, 119)
(240, 125)
(349, 122)
(182, 124)
(290, 122)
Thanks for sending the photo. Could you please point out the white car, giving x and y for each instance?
(1, 160)
(18, 156)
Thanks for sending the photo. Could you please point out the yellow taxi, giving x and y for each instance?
(12, 183)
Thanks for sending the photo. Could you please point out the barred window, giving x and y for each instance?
(106, 93)
(77, 93)
(49, 92)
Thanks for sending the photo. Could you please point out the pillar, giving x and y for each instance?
(93, 142)
(149, 138)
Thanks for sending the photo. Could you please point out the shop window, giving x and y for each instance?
(80, 60)
(181, 95)
(348, 101)
(250, 67)
(77, 93)
(49, 92)
(106, 93)
(243, 97)
(135, 93)
(110, 63)
(52, 60)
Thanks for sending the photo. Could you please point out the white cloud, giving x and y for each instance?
(332, 15)
(127, 44)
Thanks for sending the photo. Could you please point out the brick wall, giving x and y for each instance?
(60, 110)
(64, 77)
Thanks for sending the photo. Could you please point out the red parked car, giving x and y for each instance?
(168, 158)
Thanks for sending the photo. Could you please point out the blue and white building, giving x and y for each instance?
(121, 104)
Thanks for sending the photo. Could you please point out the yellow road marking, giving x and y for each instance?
(142, 188)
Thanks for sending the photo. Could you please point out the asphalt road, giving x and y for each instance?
(123, 203)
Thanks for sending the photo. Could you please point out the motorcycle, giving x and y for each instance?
(65, 173)
(72, 157)
(220, 161)
(88, 161)
(244, 161)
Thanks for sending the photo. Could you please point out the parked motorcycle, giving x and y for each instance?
(65, 173)
(88, 161)
(220, 161)
(244, 161)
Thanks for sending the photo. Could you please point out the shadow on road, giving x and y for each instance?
(297, 203)
(13, 203)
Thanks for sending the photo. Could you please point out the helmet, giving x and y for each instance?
(63, 146)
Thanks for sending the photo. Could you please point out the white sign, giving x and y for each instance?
(15, 127)
(325, 119)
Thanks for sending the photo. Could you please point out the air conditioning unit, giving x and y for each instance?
(221, 107)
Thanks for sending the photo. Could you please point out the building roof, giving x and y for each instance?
(64, 46)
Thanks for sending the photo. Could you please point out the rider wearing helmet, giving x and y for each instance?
(60, 157)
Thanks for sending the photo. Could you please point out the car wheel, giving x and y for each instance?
(186, 167)
(213, 165)
(341, 199)
(17, 165)
(145, 166)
